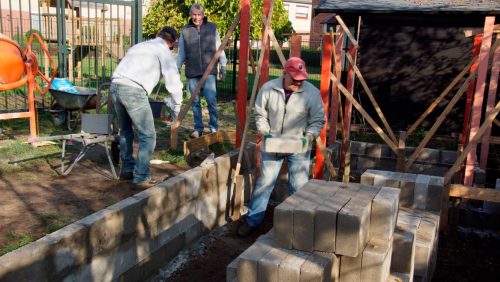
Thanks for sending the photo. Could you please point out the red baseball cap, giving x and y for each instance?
(296, 67)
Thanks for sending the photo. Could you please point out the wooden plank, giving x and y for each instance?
(492, 91)
(372, 99)
(487, 122)
(373, 124)
(400, 164)
(439, 121)
(347, 32)
(215, 58)
(495, 140)
(497, 122)
(477, 103)
(335, 97)
(295, 48)
(473, 193)
(220, 136)
(277, 46)
(238, 193)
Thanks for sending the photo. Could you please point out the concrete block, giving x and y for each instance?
(108, 227)
(283, 220)
(316, 268)
(27, 258)
(373, 150)
(192, 180)
(388, 164)
(358, 148)
(407, 186)
(303, 226)
(420, 192)
(248, 267)
(364, 163)
(283, 224)
(368, 177)
(403, 250)
(325, 225)
(428, 155)
(285, 144)
(290, 266)
(490, 207)
(163, 198)
(479, 177)
(386, 178)
(269, 264)
(376, 260)
(384, 213)
(350, 268)
(232, 270)
(335, 262)
(435, 194)
(352, 229)
(448, 157)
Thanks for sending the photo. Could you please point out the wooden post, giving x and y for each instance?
(296, 48)
(264, 76)
(495, 70)
(400, 166)
(478, 96)
(241, 101)
(468, 103)
(335, 98)
(324, 89)
(347, 162)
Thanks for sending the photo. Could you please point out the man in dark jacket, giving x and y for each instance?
(198, 43)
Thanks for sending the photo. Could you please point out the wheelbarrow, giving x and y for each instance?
(66, 103)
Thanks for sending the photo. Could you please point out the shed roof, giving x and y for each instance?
(491, 7)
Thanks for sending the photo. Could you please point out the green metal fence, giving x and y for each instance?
(86, 39)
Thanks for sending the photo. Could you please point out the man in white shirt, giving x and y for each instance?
(132, 81)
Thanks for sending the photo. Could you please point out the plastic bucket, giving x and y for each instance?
(158, 108)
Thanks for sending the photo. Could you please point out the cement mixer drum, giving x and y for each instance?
(11, 62)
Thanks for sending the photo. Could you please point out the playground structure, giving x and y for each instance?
(85, 29)
(19, 68)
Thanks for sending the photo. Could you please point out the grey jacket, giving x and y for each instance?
(304, 112)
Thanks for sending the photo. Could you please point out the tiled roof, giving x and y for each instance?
(401, 6)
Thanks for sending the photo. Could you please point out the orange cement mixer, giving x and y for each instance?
(20, 67)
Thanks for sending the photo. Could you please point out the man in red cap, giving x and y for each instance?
(285, 106)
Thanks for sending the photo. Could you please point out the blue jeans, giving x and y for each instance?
(270, 164)
(132, 107)
(210, 92)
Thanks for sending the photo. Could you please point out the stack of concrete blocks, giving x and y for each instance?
(327, 231)
(379, 156)
(417, 229)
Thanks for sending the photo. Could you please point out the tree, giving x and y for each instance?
(222, 12)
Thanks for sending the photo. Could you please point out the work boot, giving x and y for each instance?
(146, 184)
(245, 230)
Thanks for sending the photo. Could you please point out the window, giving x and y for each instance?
(302, 12)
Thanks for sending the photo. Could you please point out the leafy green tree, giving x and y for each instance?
(222, 12)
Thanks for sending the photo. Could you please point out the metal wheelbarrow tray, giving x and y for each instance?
(86, 99)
